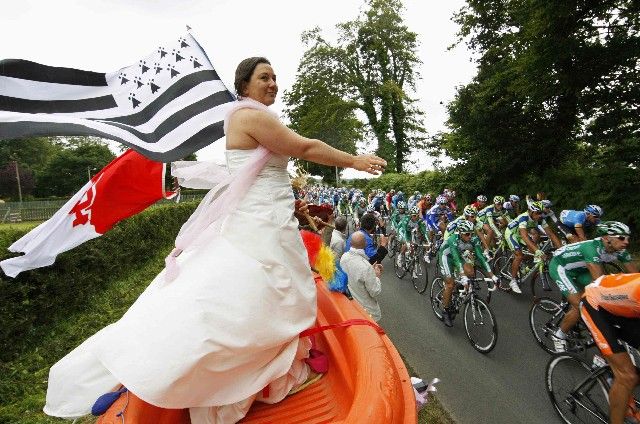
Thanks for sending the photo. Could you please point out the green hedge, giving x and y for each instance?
(36, 299)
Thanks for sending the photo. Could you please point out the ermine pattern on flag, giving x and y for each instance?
(166, 106)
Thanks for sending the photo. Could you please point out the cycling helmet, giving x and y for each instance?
(546, 203)
(418, 196)
(594, 210)
(441, 200)
(402, 205)
(613, 228)
(370, 208)
(514, 198)
(508, 206)
(392, 191)
(414, 210)
(469, 211)
(427, 196)
(415, 193)
(498, 199)
(400, 193)
(464, 226)
(481, 198)
(536, 206)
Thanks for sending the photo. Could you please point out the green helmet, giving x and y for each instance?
(414, 210)
(498, 199)
(469, 211)
(613, 228)
(464, 226)
(536, 206)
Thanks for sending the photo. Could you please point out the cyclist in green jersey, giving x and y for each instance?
(491, 217)
(576, 265)
(470, 213)
(458, 254)
(405, 226)
(397, 215)
(517, 236)
(344, 208)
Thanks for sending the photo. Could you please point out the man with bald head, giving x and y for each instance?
(363, 278)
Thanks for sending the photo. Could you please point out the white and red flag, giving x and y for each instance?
(125, 187)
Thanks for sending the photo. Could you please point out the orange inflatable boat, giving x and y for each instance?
(367, 381)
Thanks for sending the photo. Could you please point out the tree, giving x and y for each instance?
(556, 82)
(69, 169)
(9, 181)
(371, 70)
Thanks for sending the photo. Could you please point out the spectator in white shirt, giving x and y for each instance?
(363, 278)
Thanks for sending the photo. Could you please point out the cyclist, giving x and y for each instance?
(517, 237)
(344, 208)
(396, 198)
(380, 224)
(388, 198)
(572, 223)
(458, 254)
(611, 310)
(405, 227)
(438, 215)
(576, 265)
(359, 209)
(469, 213)
(396, 217)
(488, 217)
(424, 205)
(480, 203)
(514, 200)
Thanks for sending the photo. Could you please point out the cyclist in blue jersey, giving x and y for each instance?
(435, 215)
(572, 223)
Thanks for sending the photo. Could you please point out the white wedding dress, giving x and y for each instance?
(225, 328)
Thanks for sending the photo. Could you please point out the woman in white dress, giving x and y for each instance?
(212, 333)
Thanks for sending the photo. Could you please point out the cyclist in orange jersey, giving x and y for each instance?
(610, 308)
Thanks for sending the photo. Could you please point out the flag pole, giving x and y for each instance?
(18, 179)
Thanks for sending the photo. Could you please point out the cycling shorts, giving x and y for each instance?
(512, 242)
(603, 326)
(569, 281)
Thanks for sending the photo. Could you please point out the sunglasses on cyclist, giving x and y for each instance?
(623, 238)
(465, 234)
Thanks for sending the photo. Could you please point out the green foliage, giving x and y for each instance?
(371, 70)
(552, 77)
(37, 299)
(69, 169)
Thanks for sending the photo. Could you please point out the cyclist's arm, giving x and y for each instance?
(552, 235)
(524, 235)
(492, 224)
(630, 267)
(595, 269)
(480, 258)
(456, 259)
(580, 232)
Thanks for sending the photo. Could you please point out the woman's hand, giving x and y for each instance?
(369, 163)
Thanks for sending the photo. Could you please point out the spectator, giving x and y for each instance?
(338, 237)
(367, 228)
(364, 279)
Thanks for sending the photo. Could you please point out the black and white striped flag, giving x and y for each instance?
(167, 106)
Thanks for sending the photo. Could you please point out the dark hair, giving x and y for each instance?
(341, 223)
(245, 70)
(368, 222)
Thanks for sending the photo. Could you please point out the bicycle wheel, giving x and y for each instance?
(480, 325)
(484, 292)
(420, 274)
(544, 317)
(543, 286)
(576, 397)
(435, 294)
(399, 269)
(502, 267)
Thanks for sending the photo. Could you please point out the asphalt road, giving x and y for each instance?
(504, 386)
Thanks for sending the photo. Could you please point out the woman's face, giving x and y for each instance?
(262, 86)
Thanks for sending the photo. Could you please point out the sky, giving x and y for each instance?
(106, 35)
